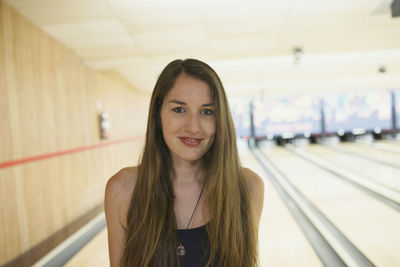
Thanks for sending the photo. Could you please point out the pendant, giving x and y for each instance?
(180, 250)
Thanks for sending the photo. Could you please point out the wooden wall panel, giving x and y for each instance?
(10, 240)
(5, 131)
(6, 81)
(49, 103)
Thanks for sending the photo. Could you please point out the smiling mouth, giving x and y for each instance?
(190, 141)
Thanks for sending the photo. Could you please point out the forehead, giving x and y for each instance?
(190, 89)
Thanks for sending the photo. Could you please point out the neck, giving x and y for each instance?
(187, 171)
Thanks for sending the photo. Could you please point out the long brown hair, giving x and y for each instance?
(152, 239)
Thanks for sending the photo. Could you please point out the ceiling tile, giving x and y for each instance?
(239, 48)
(173, 40)
(100, 51)
(113, 63)
(67, 13)
(97, 30)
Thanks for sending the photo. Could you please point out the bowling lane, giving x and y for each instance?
(394, 143)
(95, 253)
(388, 146)
(380, 145)
(282, 242)
(371, 225)
(371, 153)
(388, 176)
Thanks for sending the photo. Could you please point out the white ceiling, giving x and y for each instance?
(249, 43)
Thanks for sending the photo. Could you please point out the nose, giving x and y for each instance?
(193, 123)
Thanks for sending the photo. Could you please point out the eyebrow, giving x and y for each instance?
(183, 103)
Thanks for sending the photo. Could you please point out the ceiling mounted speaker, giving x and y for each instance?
(395, 6)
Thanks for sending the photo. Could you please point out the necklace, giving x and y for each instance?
(180, 250)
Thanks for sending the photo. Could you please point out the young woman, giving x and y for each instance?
(188, 202)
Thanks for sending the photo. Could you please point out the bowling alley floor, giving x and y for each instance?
(370, 224)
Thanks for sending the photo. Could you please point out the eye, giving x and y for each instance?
(178, 110)
(207, 112)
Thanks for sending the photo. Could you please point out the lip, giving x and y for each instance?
(192, 142)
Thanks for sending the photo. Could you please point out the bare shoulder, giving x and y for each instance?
(121, 181)
(256, 187)
(119, 191)
(117, 200)
(121, 184)
(253, 180)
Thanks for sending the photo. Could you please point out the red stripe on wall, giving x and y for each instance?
(65, 152)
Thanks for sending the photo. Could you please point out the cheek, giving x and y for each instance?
(166, 127)
(169, 124)
(210, 127)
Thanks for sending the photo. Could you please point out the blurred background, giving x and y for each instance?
(314, 89)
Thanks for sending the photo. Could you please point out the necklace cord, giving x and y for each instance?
(180, 250)
(194, 211)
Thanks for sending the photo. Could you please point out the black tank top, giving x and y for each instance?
(196, 245)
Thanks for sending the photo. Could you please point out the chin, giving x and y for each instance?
(190, 157)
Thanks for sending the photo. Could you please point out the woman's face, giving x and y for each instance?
(187, 119)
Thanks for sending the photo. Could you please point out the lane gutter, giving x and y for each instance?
(380, 147)
(355, 154)
(330, 244)
(61, 254)
(383, 193)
